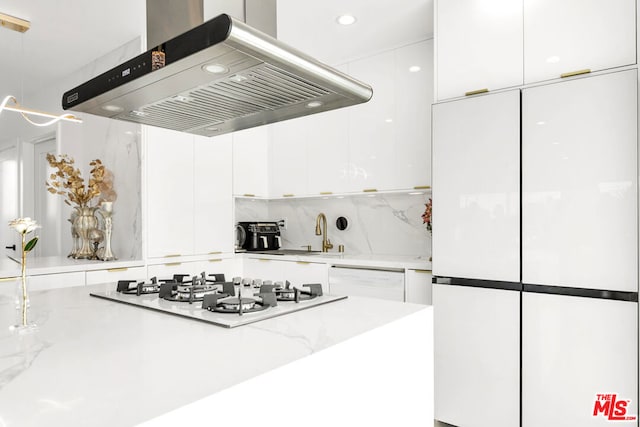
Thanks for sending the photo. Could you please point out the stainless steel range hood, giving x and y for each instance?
(218, 77)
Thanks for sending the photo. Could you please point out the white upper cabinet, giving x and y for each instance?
(288, 157)
(384, 144)
(188, 194)
(169, 192)
(579, 183)
(328, 153)
(213, 204)
(371, 129)
(412, 121)
(478, 45)
(476, 187)
(571, 35)
(250, 161)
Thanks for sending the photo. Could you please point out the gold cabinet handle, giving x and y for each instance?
(215, 260)
(326, 193)
(172, 256)
(171, 264)
(303, 262)
(370, 190)
(263, 259)
(7, 279)
(214, 253)
(476, 92)
(249, 195)
(575, 73)
(287, 195)
(422, 187)
(116, 270)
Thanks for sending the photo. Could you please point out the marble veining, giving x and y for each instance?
(90, 356)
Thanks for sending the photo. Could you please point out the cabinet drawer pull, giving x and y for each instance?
(249, 195)
(115, 270)
(303, 262)
(172, 264)
(172, 256)
(476, 92)
(575, 73)
(287, 195)
(423, 271)
(7, 279)
(370, 190)
(326, 193)
(422, 187)
(215, 260)
(214, 253)
(263, 259)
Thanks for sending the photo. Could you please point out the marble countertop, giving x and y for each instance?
(359, 260)
(101, 363)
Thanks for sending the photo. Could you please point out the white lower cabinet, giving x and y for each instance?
(418, 286)
(573, 349)
(298, 273)
(52, 281)
(477, 356)
(228, 266)
(112, 275)
(364, 282)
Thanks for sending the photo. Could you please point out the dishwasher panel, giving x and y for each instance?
(363, 282)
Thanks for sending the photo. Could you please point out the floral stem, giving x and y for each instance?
(24, 281)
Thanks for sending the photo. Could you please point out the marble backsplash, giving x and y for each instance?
(385, 224)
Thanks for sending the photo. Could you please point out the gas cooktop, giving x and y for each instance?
(213, 300)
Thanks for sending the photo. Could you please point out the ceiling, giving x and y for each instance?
(66, 35)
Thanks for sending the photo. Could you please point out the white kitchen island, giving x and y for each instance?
(99, 363)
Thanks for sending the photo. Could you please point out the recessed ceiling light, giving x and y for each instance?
(215, 68)
(314, 104)
(388, 120)
(415, 68)
(346, 19)
(212, 129)
(138, 113)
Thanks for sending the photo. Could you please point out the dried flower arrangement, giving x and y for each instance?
(426, 216)
(68, 182)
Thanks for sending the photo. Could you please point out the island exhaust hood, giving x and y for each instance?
(218, 77)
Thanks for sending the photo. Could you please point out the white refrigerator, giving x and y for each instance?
(535, 258)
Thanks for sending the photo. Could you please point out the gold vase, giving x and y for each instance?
(83, 224)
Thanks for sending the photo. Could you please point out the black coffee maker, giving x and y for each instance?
(260, 236)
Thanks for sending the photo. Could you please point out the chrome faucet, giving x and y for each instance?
(326, 243)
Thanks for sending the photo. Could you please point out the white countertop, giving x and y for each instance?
(100, 363)
(360, 260)
(60, 264)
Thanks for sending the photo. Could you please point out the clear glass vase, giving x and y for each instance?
(23, 322)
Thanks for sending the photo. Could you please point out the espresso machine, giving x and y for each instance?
(258, 236)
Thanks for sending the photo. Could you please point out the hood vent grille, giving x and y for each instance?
(219, 77)
(243, 94)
